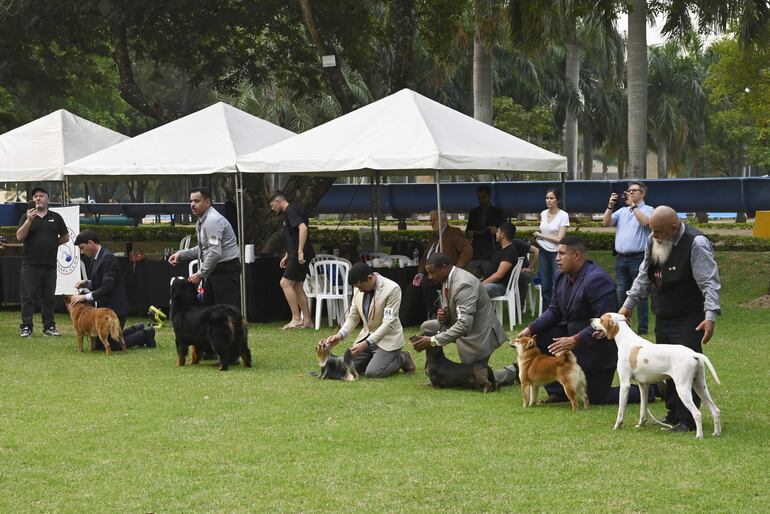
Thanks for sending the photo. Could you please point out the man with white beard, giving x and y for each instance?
(680, 272)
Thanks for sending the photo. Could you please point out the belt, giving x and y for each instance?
(633, 254)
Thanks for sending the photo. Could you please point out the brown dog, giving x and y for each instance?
(536, 369)
(90, 321)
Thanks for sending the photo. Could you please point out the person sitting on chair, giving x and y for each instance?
(503, 260)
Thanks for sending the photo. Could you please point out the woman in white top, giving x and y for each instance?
(553, 227)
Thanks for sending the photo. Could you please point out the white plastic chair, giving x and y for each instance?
(184, 244)
(309, 284)
(511, 297)
(535, 289)
(193, 267)
(330, 281)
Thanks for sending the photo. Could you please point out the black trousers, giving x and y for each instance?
(38, 283)
(680, 331)
(223, 285)
(598, 382)
(131, 336)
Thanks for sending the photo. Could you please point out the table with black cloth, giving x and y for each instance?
(263, 290)
(148, 282)
(10, 278)
(412, 311)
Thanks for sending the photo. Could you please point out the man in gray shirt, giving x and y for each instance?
(217, 252)
(680, 271)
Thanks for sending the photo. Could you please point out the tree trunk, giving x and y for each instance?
(333, 74)
(129, 89)
(663, 159)
(571, 137)
(402, 34)
(482, 61)
(637, 89)
(588, 153)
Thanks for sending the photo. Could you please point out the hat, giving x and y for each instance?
(40, 189)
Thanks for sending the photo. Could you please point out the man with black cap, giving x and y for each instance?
(377, 351)
(41, 231)
(106, 290)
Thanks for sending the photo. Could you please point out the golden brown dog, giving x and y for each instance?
(90, 321)
(536, 369)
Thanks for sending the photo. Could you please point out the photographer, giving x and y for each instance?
(633, 231)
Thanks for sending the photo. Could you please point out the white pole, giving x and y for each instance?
(377, 208)
(438, 202)
(241, 243)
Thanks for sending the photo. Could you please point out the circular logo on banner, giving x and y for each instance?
(68, 259)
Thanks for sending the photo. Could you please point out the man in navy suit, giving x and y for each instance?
(582, 290)
(106, 286)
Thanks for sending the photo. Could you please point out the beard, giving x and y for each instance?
(661, 251)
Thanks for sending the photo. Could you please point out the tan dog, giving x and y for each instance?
(536, 369)
(90, 321)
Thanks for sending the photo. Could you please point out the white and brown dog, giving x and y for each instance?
(649, 363)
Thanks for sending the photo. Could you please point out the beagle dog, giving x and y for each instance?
(649, 363)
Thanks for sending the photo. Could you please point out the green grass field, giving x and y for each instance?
(134, 433)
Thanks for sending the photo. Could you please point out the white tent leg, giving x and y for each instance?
(241, 243)
(377, 211)
(438, 203)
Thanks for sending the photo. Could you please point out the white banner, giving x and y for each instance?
(68, 258)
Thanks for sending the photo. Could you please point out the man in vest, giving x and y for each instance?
(680, 271)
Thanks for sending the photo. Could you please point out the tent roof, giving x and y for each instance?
(207, 141)
(38, 151)
(402, 134)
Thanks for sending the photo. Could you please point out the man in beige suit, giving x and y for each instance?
(455, 246)
(377, 351)
(466, 317)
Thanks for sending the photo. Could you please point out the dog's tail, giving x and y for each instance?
(115, 331)
(706, 360)
(566, 357)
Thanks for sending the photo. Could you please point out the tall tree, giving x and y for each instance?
(637, 89)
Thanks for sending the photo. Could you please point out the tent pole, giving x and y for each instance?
(241, 244)
(377, 207)
(438, 203)
(65, 194)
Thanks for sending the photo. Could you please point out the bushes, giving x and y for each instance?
(157, 232)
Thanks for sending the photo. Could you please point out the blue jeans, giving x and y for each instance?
(626, 270)
(495, 289)
(547, 272)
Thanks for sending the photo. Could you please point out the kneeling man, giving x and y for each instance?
(377, 352)
(467, 316)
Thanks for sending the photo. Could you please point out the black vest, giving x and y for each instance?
(674, 290)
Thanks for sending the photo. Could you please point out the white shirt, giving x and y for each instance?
(551, 229)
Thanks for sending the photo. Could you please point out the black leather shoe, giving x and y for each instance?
(149, 337)
(679, 428)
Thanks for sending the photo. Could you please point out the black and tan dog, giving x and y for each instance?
(220, 328)
(443, 372)
(334, 367)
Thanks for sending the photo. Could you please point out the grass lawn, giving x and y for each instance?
(134, 433)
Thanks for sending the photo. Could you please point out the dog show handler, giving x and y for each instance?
(376, 302)
(467, 314)
(681, 273)
(219, 258)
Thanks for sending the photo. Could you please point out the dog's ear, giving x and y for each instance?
(612, 330)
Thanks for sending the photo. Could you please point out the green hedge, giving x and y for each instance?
(594, 240)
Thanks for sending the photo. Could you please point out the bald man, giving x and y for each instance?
(680, 272)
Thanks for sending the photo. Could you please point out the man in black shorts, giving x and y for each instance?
(41, 231)
(299, 253)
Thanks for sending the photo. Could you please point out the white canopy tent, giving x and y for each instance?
(39, 150)
(403, 134)
(204, 142)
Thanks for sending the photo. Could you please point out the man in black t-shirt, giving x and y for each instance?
(299, 253)
(41, 231)
(501, 265)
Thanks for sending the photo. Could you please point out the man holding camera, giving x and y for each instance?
(633, 231)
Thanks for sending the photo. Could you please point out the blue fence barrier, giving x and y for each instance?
(586, 196)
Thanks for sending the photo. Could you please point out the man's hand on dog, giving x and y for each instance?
(331, 341)
(524, 333)
(562, 344)
(195, 278)
(77, 299)
(420, 343)
(708, 330)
